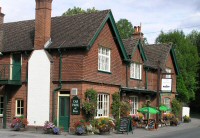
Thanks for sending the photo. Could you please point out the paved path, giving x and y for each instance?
(138, 133)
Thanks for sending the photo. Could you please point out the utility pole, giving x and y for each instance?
(158, 90)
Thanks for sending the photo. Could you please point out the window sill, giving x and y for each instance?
(136, 79)
(106, 72)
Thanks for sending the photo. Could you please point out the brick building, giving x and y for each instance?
(45, 62)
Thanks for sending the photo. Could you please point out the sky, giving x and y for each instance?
(154, 15)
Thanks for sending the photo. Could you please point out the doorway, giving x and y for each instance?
(64, 111)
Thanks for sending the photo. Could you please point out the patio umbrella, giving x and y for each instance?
(148, 110)
(164, 108)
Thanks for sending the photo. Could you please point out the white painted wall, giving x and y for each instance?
(38, 88)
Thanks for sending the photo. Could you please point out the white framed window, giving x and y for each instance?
(166, 102)
(104, 59)
(168, 70)
(136, 71)
(1, 105)
(19, 111)
(102, 105)
(134, 104)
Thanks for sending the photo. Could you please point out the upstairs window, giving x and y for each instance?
(104, 59)
(168, 71)
(136, 71)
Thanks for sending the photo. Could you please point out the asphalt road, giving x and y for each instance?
(187, 133)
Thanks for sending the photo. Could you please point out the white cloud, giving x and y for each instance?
(155, 15)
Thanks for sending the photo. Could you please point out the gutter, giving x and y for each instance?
(58, 88)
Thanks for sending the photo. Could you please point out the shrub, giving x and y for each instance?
(186, 119)
(90, 104)
(115, 106)
(125, 108)
(176, 107)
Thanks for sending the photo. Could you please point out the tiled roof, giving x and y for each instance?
(67, 32)
(130, 44)
(155, 52)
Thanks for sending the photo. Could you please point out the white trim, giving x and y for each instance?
(136, 71)
(104, 54)
(105, 105)
(16, 107)
(58, 103)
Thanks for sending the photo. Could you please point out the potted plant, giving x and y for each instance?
(104, 125)
(186, 119)
(19, 123)
(80, 127)
(50, 128)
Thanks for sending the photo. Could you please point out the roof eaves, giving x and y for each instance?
(110, 17)
(175, 61)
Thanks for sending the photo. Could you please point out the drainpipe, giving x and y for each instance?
(58, 88)
(5, 109)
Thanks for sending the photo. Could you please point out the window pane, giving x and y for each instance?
(22, 111)
(104, 59)
(62, 104)
(18, 111)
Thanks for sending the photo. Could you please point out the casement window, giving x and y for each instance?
(134, 104)
(168, 71)
(104, 59)
(103, 105)
(136, 71)
(166, 102)
(1, 105)
(19, 107)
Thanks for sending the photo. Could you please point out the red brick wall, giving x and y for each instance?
(134, 83)
(169, 64)
(90, 63)
(15, 92)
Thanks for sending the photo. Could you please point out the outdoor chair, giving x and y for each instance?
(162, 122)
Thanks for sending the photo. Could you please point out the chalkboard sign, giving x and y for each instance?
(75, 106)
(125, 125)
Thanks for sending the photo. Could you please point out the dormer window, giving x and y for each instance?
(168, 70)
(104, 59)
(136, 71)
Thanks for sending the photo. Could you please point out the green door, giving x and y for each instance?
(64, 112)
(16, 67)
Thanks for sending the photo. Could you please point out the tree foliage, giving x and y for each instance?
(125, 28)
(78, 10)
(187, 57)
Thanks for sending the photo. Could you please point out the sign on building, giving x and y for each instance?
(166, 85)
(75, 106)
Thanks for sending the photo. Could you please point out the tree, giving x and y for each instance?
(78, 10)
(194, 37)
(187, 57)
(125, 28)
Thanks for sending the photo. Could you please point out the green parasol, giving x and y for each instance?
(164, 108)
(147, 110)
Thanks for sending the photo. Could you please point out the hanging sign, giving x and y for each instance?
(166, 85)
(75, 106)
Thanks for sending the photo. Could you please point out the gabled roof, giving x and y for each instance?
(159, 52)
(78, 31)
(131, 44)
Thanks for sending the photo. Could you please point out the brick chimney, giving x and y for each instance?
(137, 32)
(42, 23)
(1, 18)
